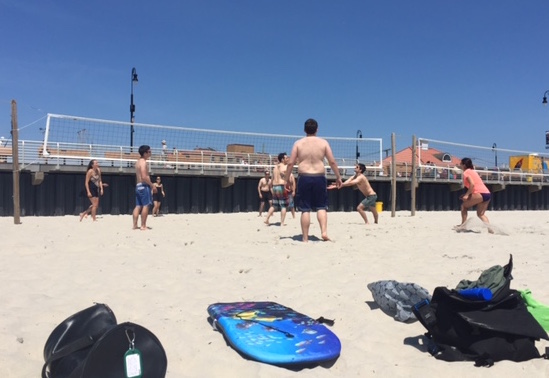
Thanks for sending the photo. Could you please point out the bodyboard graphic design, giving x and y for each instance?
(275, 334)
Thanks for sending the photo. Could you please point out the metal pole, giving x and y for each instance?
(15, 168)
(495, 149)
(131, 117)
(393, 175)
(132, 106)
(414, 173)
(358, 135)
(544, 102)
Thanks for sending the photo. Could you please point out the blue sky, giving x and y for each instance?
(470, 72)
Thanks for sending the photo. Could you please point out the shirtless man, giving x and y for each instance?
(290, 192)
(280, 196)
(264, 190)
(364, 186)
(143, 189)
(309, 154)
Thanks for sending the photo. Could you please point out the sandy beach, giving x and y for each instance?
(165, 278)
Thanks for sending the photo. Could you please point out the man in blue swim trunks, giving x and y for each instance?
(312, 193)
(143, 189)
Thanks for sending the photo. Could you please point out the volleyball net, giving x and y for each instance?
(440, 159)
(70, 139)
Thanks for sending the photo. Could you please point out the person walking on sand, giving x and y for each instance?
(158, 196)
(93, 189)
(364, 186)
(143, 189)
(310, 152)
(477, 194)
(280, 196)
(264, 191)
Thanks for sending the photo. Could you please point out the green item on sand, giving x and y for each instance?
(539, 311)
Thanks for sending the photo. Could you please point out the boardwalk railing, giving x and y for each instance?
(75, 156)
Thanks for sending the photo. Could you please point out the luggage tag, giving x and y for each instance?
(132, 359)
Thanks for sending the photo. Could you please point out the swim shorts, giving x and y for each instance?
(266, 196)
(369, 201)
(280, 199)
(311, 192)
(143, 195)
(290, 203)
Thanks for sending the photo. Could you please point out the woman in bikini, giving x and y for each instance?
(477, 193)
(94, 189)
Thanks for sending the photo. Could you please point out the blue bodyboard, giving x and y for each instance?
(274, 334)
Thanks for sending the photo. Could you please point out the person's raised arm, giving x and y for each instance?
(290, 166)
(292, 181)
(333, 165)
(470, 190)
(351, 181)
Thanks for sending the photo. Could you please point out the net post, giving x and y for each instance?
(15, 165)
(414, 174)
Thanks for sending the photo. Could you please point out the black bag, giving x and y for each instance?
(462, 329)
(89, 344)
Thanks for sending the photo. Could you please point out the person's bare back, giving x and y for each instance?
(279, 173)
(310, 152)
(279, 196)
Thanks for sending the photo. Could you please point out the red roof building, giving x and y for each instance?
(425, 156)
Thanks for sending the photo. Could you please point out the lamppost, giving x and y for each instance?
(358, 135)
(544, 102)
(132, 106)
(495, 150)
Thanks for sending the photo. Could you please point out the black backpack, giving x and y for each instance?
(461, 329)
(89, 344)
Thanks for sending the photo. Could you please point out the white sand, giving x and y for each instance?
(165, 278)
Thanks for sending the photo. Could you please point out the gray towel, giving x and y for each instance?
(397, 299)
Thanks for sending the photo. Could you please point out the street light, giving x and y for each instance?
(358, 135)
(495, 150)
(544, 102)
(132, 106)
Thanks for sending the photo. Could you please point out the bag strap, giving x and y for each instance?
(425, 314)
(323, 320)
(76, 345)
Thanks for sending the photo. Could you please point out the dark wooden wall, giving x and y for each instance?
(59, 194)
